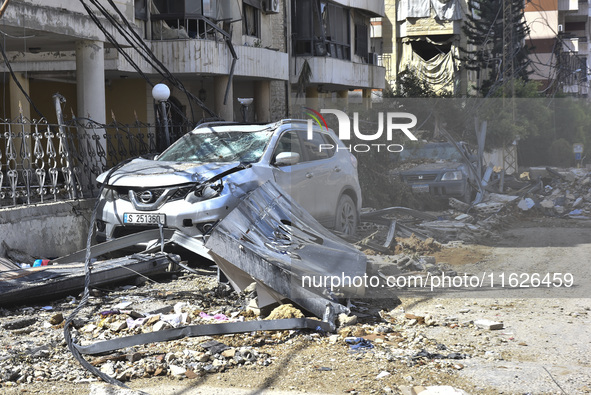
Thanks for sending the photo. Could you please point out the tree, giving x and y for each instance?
(486, 39)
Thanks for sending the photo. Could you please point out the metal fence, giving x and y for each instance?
(41, 162)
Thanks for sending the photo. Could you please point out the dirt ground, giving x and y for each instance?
(544, 346)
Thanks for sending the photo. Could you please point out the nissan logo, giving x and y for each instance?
(146, 196)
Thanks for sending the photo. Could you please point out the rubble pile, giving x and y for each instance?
(565, 193)
(32, 347)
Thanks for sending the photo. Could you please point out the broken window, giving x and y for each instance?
(245, 147)
(321, 29)
(428, 49)
(361, 38)
(250, 20)
(141, 10)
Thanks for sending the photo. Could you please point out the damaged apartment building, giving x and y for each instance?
(104, 57)
(425, 36)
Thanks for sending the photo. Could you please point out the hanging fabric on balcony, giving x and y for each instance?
(447, 10)
(162, 31)
(413, 9)
(439, 71)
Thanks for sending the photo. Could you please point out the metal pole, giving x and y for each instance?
(165, 121)
(58, 100)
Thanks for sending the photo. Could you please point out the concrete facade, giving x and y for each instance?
(560, 36)
(53, 42)
(426, 43)
(46, 230)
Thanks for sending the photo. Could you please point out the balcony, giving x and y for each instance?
(196, 56)
(570, 44)
(568, 5)
(377, 8)
(342, 74)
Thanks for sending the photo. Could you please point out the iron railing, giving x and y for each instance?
(41, 162)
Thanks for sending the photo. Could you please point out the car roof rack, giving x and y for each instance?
(215, 123)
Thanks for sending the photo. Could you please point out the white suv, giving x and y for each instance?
(204, 175)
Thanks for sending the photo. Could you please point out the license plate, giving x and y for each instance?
(144, 219)
(420, 188)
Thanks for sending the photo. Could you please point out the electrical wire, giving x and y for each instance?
(16, 81)
(139, 45)
(85, 296)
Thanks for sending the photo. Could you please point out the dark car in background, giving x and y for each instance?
(437, 169)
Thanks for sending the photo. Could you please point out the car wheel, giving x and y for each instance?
(346, 216)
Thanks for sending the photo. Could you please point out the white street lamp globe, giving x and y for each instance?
(160, 92)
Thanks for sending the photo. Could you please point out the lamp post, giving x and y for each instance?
(244, 103)
(161, 93)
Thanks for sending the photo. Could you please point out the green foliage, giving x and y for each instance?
(510, 119)
(569, 121)
(561, 153)
(484, 49)
(409, 85)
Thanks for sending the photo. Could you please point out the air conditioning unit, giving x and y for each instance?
(271, 6)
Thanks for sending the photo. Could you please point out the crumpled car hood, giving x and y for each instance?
(432, 167)
(150, 173)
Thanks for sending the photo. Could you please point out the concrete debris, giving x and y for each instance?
(285, 311)
(526, 204)
(346, 320)
(566, 192)
(488, 324)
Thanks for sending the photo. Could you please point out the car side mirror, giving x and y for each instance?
(287, 158)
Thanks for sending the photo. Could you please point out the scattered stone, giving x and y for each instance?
(177, 371)
(191, 374)
(488, 324)
(161, 325)
(526, 204)
(118, 326)
(382, 375)
(345, 320)
(56, 319)
(285, 311)
(19, 323)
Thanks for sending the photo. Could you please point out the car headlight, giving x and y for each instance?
(109, 194)
(452, 176)
(209, 191)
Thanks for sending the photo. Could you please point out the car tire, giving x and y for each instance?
(347, 218)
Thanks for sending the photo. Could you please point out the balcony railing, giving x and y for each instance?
(41, 162)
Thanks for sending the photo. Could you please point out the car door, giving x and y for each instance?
(293, 179)
(324, 187)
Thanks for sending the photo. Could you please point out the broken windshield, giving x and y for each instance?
(245, 147)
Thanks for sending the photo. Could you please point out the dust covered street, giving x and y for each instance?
(542, 345)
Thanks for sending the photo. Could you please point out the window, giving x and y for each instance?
(250, 20)
(141, 10)
(361, 37)
(312, 148)
(288, 142)
(321, 29)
